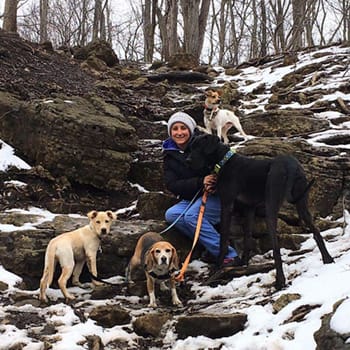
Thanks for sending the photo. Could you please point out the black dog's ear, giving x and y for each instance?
(210, 143)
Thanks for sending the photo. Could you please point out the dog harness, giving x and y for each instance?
(166, 276)
(211, 112)
(222, 162)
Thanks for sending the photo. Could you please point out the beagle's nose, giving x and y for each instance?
(163, 259)
(103, 231)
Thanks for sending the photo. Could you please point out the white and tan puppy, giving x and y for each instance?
(72, 250)
(218, 119)
(160, 262)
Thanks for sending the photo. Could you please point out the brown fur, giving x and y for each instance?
(159, 259)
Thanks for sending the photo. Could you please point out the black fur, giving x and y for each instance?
(254, 182)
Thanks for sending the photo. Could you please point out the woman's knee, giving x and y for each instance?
(171, 215)
(190, 218)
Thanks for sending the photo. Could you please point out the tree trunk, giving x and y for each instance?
(195, 15)
(222, 30)
(10, 16)
(44, 6)
(83, 25)
(279, 32)
(172, 27)
(254, 32)
(97, 19)
(263, 28)
(296, 42)
(148, 17)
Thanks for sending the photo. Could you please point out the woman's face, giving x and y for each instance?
(180, 133)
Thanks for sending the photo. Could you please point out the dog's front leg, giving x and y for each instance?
(175, 299)
(76, 273)
(219, 133)
(207, 126)
(248, 229)
(151, 294)
(91, 263)
(226, 212)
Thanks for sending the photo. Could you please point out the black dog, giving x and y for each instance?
(254, 183)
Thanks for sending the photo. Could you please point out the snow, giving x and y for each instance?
(317, 284)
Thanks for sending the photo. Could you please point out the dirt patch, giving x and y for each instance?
(33, 71)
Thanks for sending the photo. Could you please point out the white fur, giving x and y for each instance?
(218, 119)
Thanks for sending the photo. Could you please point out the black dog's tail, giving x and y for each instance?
(101, 280)
(302, 194)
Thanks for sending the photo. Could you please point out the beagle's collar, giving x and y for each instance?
(222, 162)
(166, 276)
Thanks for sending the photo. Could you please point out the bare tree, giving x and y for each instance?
(298, 9)
(81, 12)
(254, 49)
(279, 10)
(195, 15)
(10, 16)
(346, 16)
(263, 29)
(168, 23)
(236, 30)
(222, 29)
(44, 7)
(149, 24)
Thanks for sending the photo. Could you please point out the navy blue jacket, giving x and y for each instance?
(179, 178)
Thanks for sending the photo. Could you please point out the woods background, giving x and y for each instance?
(214, 32)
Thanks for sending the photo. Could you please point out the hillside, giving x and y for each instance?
(294, 103)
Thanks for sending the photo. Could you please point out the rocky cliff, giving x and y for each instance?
(91, 127)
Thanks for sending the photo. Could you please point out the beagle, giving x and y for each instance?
(72, 250)
(160, 262)
(218, 119)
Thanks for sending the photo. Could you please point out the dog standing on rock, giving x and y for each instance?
(160, 262)
(72, 250)
(255, 182)
(221, 120)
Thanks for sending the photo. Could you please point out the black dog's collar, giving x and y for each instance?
(227, 156)
(162, 277)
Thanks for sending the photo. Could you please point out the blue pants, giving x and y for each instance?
(209, 237)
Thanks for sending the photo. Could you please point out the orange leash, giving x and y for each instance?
(180, 276)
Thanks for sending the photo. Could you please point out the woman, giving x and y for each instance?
(185, 183)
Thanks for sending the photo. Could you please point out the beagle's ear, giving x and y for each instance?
(111, 215)
(219, 92)
(150, 260)
(174, 262)
(92, 214)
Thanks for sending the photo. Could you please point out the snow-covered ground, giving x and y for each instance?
(317, 284)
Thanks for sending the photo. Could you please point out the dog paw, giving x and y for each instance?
(78, 284)
(43, 300)
(69, 298)
(177, 303)
(97, 283)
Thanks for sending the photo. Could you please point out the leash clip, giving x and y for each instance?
(217, 168)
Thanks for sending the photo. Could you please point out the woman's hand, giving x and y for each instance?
(210, 183)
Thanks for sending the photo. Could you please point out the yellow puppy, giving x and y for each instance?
(160, 262)
(72, 250)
